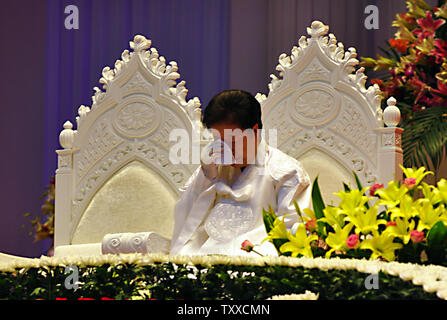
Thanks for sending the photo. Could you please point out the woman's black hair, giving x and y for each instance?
(233, 106)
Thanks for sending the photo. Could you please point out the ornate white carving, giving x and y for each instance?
(316, 104)
(156, 64)
(137, 119)
(391, 114)
(141, 242)
(67, 135)
(89, 182)
(345, 60)
(137, 84)
(65, 161)
(138, 99)
(82, 111)
(315, 71)
(391, 139)
(333, 145)
(161, 136)
(320, 86)
(281, 121)
(388, 139)
(352, 126)
(100, 141)
(155, 157)
(317, 29)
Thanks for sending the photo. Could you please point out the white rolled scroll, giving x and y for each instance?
(142, 242)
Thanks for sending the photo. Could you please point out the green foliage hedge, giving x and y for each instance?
(171, 281)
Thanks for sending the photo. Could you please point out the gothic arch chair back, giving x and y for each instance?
(114, 173)
(327, 119)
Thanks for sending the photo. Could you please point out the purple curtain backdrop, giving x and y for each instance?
(48, 71)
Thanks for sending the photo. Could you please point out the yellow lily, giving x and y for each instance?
(418, 174)
(381, 246)
(366, 222)
(442, 11)
(333, 216)
(352, 201)
(426, 47)
(309, 215)
(400, 22)
(405, 34)
(402, 229)
(337, 241)
(430, 193)
(422, 4)
(442, 75)
(279, 230)
(391, 195)
(405, 210)
(299, 243)
(428, 215)
(417, 8)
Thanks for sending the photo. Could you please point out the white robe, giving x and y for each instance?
(215, 217)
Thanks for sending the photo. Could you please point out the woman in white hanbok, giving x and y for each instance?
(221, 205)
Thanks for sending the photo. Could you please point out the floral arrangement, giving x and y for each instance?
(161, 276)
(416, 61)
(405, 229)
(43, 225)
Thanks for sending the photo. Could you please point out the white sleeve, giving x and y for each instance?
(189, 193)
(293, 184)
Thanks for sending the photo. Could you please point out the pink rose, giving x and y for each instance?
(353, 241)
(417, 236)
(247, 246)
(374, 187)
(410, 182)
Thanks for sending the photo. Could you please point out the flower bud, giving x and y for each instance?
(410, 182)
(247, 246)
(353, 241)
(374, 187)
(417, 236)
(311, 225)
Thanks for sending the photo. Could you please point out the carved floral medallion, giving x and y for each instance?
(137, 119)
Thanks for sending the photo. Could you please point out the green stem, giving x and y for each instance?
(257, 252)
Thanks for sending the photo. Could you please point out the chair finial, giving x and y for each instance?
(391, 114)
(66, 137)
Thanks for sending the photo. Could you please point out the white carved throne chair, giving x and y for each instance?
(114, 174)
(328, 120)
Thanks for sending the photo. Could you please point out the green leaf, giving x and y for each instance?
(269, 218)
(437, 240)
(424, 138)
(317, 200)
(384, 51)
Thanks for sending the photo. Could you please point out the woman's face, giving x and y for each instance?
(243, 142)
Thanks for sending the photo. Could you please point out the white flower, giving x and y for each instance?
(433, 286)
(442, 293)
(308, 295)
(406, 275)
